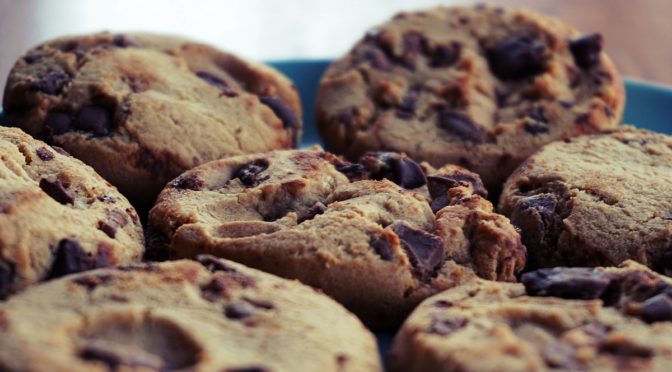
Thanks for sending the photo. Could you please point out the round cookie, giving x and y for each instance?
(57, 216)
(603, 319)
(210, 315)
(596, 201)
(343, 227)
(482, 87)
(141, 109)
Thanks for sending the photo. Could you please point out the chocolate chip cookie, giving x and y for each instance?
(482, 87)
(141, 109)
(57, 216)
(210, 315)
(596, 201)
(596, 319)
(378, 235)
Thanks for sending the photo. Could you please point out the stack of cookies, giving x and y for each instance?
(156, 214)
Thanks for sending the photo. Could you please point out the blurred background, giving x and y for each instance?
(637, 32)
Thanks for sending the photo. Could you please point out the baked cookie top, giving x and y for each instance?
(373, 245)
(210, 315)
(482, 87)
(57, 216)
(558, 319)
(141, 108)
(596, 200)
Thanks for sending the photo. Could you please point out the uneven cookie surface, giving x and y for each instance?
(57, 216)
(482, 87)
(210, 315)
(374, 246)
(141, 109)
(596, 200)
(560, 319)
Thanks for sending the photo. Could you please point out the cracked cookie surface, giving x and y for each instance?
(482, 87)
(559, 319)
(210, 315)
(346, 228)
(596, 200)
(141, 109)
(57, 216)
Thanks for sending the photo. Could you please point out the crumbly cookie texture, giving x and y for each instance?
(377, 247)
(597, 319)
(596, 200)
(141, 109)
(483, 87)
(57, 216)
(210, 315)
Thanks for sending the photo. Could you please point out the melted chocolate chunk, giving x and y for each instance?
(354, 171)
(7, 275)
(407, 108)
(535, 128)
(70, 257)
(444, 55)
(439, 184)
(447, 326)
(115, 220)
(378, 59)
(313, 211)
(657, 309)
(517, 57)
(214, 264)
(586, 50)
(57, 123)
(395, 167)
(383, 248)
(282, 111)
(57, 191)
(218, 83)
(44, 154)
(122, 41)
(95, 120)
(572, 283)
(188, 182)
(238, 310)
(107, 199)
(248, 369)
(424, 250)
(461, 125)
(249, 173)
(52, 84)
(32, 57)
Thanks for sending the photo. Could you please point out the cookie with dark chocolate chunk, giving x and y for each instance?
(479, 86)
(57, 216)
(141, 109)
(378, 234)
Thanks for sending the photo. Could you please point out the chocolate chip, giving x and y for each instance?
(535, 128)
(657, 309)
(572, 283)
(406, 109)
(57, 123)
(32, 57)
(238, 310)
(107, 199)
(443, 304)
(57, 191)
(70, 257)
(378, 59)
(395, 167)
(115, 359)
(439, 184)
(354, 171)
(282, 111)
(412, 43)
(383, 248)
(44, 154)
(115, 220)
(424, 250)
(537, 114)
(218, 83)
(461, 125)
(445, 55)
(309, 214)
(448, 325)
(214, 264)
(517, 57)
(625, 347)
(95, 120)
(249, 173)
(122, 41)
(188, 182)
(247, 369)
(586, 50)
(7, 275)
(52, 84)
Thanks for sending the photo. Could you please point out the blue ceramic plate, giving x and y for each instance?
(647, 106)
